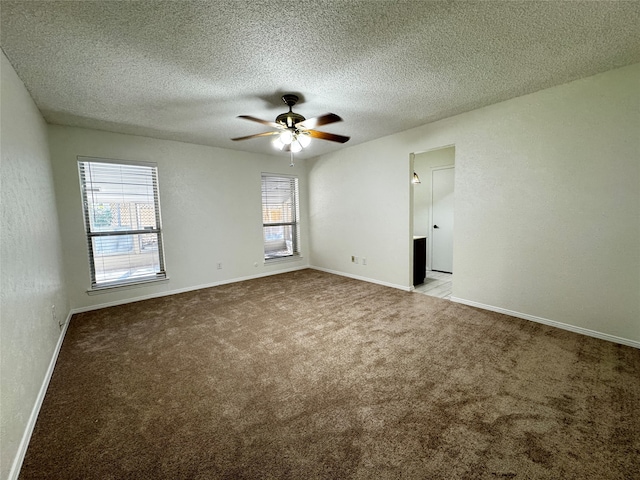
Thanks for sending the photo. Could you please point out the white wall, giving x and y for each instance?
(31, 274)
(359, 206)
(547, 209)
(210, 199)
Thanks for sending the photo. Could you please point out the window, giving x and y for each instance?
(280, 216)
(122, 221)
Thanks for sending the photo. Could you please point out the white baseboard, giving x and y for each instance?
(183, 290)
(552, 323)
(364, 279)
(35, 411)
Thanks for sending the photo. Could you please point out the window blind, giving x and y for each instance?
(122, 220)
(280, 216)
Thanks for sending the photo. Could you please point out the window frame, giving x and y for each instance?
(90, 234)
(294, 213)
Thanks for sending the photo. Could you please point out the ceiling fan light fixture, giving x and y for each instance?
(304, 139)
(277, 143)
(286, 137)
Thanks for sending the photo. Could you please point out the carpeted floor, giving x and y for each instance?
(308, 375)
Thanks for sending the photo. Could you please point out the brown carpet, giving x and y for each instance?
(309, 375)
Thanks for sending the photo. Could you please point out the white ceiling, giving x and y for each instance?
(183, 70)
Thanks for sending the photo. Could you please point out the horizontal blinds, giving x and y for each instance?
(122, 219)
(280, 216)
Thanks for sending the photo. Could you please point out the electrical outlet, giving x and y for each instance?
(364, 260)
(219, 265)
(356, 260)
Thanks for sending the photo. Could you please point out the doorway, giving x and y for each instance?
(435, 169)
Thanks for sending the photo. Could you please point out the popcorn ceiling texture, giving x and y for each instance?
(185, 70)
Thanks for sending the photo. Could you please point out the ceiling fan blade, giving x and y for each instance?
(258, 120)
(328, 136)
(264, 134)
(325, 119)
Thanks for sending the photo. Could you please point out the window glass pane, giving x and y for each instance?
(119, 258)
(278, 241)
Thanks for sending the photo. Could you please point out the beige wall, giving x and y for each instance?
(547, 209)
(210, 199)
(31, 275)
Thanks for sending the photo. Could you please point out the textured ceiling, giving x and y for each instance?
(184, 70)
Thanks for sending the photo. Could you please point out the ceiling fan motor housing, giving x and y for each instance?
(290, 118)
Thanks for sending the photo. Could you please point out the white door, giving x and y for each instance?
(442, 216)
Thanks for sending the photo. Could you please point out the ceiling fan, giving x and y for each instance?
(293, 131)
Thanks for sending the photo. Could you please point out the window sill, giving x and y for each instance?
(291, 258)
(126, 286)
